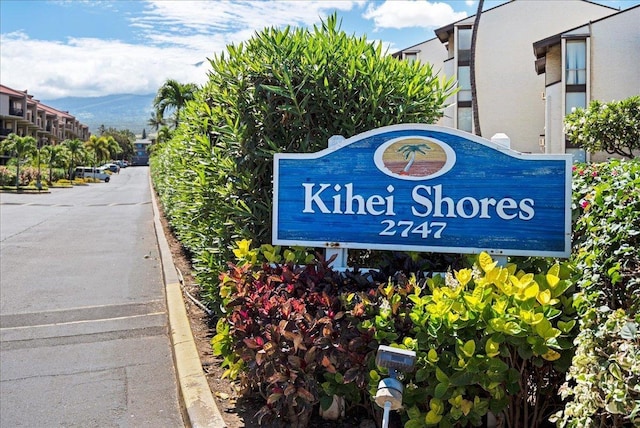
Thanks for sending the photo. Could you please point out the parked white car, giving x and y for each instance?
(90, 172)
(111, 167)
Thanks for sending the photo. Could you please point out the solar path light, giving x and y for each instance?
(389, 395)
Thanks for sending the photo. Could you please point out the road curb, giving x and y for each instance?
(197, 403)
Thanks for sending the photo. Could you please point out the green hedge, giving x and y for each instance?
(603, 383)
(284, 90)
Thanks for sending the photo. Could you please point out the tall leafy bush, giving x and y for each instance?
(603, 383)
(606, 232)
(284, 90)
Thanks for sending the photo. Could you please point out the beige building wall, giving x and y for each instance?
(615, 57)
(510, 96)
(431, 51)
(615, 60)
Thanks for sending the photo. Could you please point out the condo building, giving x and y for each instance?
(23, 115)
(535, 60)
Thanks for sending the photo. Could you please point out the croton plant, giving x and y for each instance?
(488, 338)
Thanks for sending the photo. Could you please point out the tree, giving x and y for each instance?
(472, 70)
(21, 148)
(99, 147)
(114, 147)
(54, 156)
(164, 134)
(611, 127)
(144, 134)
(124, 138)
(156, 121)
(173, 95)
(76, 148)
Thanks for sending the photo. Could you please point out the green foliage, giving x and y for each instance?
(76, 152)
(611, 127)
(604, 381)
(100, 148)
(606, 233)
(7, 176)
(602, 388)
(57, 156)
(29, 174)
(124, 139)
(172, 96)
(21, 149)
(284, 90)
(488, 338)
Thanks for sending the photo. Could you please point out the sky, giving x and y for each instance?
(87, 48)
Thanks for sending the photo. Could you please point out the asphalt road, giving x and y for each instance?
(83, 322)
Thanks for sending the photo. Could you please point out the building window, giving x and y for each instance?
(575, 100)
(575, 75)
(576, 62)
(463, 44)
(410, 56)
(464, 83)
(464, 38)
(465, 122)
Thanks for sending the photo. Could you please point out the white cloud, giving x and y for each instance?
(231, 17)
(173, 37)
(418, 13)
(93, 67)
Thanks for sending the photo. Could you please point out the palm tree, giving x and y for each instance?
(22, 148)
(99, 146)
(164, 134)
(156, 121)
(75, 149)
(409, 151)
(54, 156)
(113, 146)
(173, 95)
(472, 70)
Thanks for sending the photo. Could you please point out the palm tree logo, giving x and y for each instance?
(414, 158)
(409, 151)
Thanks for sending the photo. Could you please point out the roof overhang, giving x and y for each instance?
(541, 47)
(445, 32)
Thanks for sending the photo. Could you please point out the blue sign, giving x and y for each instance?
(416, 187)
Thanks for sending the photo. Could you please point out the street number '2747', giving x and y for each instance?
(405, 227)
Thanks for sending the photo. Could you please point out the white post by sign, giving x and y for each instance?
(342, 254)
(503, 140)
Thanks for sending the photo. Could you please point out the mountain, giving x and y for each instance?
(120, 111)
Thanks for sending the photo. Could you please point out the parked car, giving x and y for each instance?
(90, 172)
(122, 163)
(111, 167)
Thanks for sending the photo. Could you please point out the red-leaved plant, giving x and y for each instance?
(285, 330)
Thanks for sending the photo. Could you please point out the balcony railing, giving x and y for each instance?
(16, 112)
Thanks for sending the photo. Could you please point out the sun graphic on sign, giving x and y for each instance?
(414, 157)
